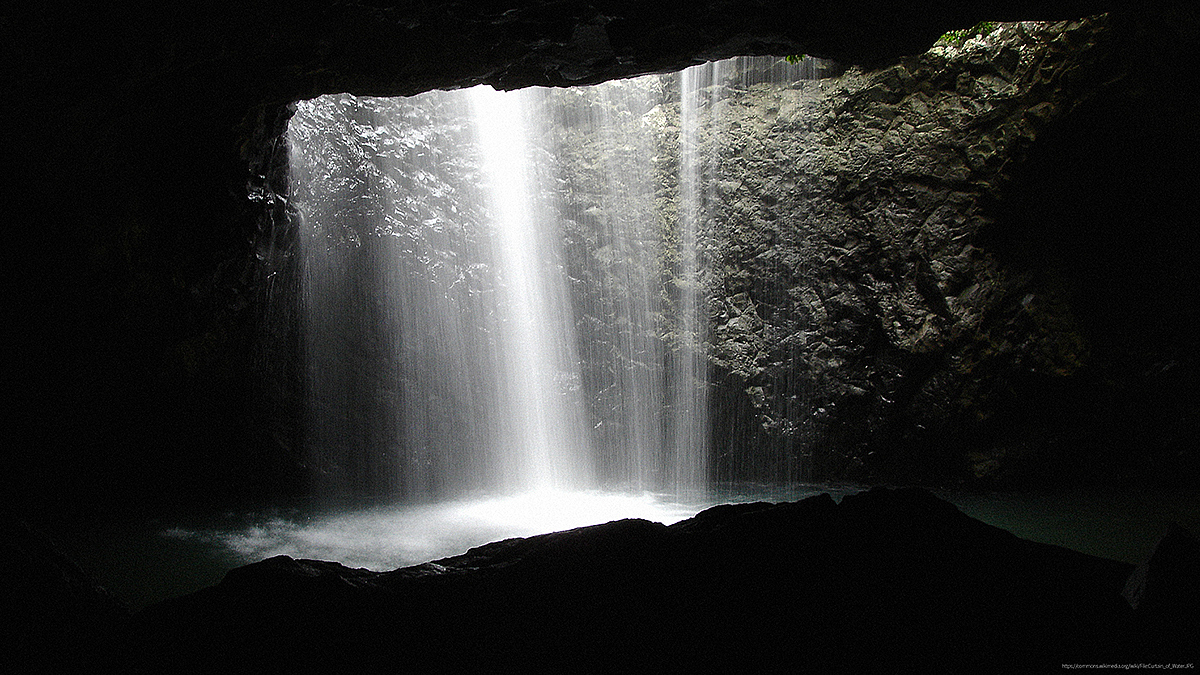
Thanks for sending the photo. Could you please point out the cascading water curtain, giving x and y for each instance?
(689, 373)
(508, 291)
(547, 447)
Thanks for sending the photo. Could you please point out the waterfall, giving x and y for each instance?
(508, 291)
(546, 446)
(689, 371)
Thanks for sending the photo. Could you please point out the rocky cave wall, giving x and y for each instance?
(871, 318)
(136, 261)
(858, 305)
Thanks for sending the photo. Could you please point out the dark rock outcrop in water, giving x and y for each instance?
(885, 580)
(1165, 590)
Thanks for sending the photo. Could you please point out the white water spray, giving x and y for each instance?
(546, 446)
(505, 292)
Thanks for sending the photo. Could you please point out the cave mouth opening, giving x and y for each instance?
(366, 535)
(385, 424)
(358, 524)
(500, 307)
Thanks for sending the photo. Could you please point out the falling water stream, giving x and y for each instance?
(505, 313)
(503, 292)
(547, 447)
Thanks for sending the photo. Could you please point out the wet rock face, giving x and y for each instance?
(861, 306)
(858, 305)
(860, 323)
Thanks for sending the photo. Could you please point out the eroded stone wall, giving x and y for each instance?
(855, 302)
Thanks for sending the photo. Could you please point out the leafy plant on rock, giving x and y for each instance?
(957, 38)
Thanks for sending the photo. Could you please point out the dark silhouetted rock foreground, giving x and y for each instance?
(885, 580)
(55, 616)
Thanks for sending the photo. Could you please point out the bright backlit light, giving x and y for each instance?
(387, 538)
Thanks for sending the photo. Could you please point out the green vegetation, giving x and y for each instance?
(956, 38)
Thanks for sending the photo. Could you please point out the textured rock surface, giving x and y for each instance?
(858, 303)
(885, 580)
(868, 319)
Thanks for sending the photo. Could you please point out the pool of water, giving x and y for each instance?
(1109, 524)
(157, 558)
